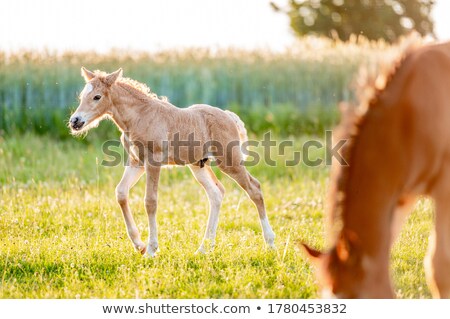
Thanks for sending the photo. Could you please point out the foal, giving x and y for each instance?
(399, 149)
(149, 125)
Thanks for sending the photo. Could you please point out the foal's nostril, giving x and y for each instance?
(76, 122)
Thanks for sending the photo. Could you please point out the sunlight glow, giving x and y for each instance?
(152, 25)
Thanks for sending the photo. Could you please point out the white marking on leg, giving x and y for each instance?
(152, 247)
(215, 198)
(151, 204)
(269, 235)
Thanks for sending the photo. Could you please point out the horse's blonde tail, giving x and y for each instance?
(240, 126)
(241, 129)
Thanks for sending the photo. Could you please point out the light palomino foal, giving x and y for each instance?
(399, 149)
(148, 125)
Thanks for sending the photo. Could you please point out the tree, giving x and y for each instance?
(375, 19)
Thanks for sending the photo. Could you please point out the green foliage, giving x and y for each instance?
(374, 19)
(63, 236)
(286, 120)
(39, 90)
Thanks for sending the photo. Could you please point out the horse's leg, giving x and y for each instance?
(151, 202)
(253, 189)
(437, 261)
(400, 214)
(215, 192)
(130, 176)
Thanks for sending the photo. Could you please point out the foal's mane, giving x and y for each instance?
(370, 83)
(132, 86)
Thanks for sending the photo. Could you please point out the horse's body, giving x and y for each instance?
(156, 133)
(400, 149)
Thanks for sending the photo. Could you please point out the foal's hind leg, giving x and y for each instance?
(215, 191)
(437, 261)
(130, 176)
(151, 203)
(253, 189)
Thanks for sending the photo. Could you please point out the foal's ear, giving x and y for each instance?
(313, 254)
(113, 77)
(86, 74)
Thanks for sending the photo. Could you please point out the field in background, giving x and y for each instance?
(290, 93)
(62, 233)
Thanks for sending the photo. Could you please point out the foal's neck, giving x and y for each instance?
(130, 107)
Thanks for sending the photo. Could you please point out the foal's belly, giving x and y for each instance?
(177, 153)
(184, 155)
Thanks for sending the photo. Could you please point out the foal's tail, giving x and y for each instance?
(241, 129)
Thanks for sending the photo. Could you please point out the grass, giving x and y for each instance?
(62, 233)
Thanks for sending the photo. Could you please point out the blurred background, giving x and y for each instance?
(281, 65)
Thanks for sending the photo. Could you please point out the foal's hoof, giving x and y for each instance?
(142, 250)
(206, 247)
(270, 242)
(150, 252)
(204, 251)
(201, 251)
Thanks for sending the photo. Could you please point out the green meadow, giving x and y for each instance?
(62, 233)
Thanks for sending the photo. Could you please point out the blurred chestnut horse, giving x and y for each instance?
(399, 149)
(148, 125)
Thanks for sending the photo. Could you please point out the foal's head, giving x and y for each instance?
(95, 99)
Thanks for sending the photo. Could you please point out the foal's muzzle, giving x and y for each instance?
(76, 123)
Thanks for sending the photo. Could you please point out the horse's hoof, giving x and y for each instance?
(201, 251)
(150, 254)
(270, 241)
(271, 245)
(151, 251)
(143, 250)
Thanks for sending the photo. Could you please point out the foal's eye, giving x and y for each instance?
(97, 97)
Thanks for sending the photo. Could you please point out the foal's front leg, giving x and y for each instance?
(130, 176)
(151, 201)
